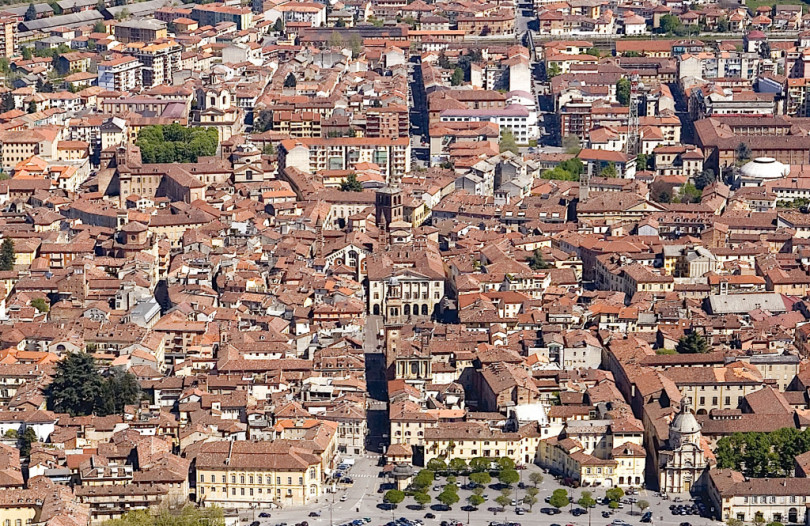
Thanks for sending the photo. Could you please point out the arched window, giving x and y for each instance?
(424, 310)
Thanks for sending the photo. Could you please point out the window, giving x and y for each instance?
(202, 478)
(202, 489)
(250, 479)
(241, 479)
(242, 491)
(301, 480)
(278, 480)
(289, 481)
(728, 400)
(233, 479)
(233, 491)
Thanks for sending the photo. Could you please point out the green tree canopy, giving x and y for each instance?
(692, 343)
(29, 436)
(690, 194)
(79, 389)
(480, 464)
(188, 516)
(571, 143)
(743, 152)
(508, 143)
(436, 464)
(503, 501)
(423, 479)
(670, 23)
(458, 465)
(643, 505)
(290, 81)
(623, 91)
(7, 254)
(422, 499)
(536, 262)
(351, 184)
(609, 171)
(176, 143)
(457, 79)
(475, 500)
(41, 304)
(615, 494)
(394, 496)
(448, 498)
(586, 499)
(480, 477)
(559, 499)
(536, 478)
(31, 12)
(508, 476)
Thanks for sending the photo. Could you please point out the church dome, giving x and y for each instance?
(685, 423)
(764, 168)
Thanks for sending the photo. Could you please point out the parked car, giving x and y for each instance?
(647, 517)
(429, 516)
(343, 498)
(264, 515)
(314, 513)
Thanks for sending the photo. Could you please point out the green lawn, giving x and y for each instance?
(753, 4)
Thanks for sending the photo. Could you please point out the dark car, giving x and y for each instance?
(429, 516)
(264, 515)
(576, 512)
(314, 513)
(685, 524)
(605, 514)
(255, 523)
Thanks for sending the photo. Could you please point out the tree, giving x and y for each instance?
(643, 161)
(614, 494)
(594, 52)
(670, 24)
(278, 27)
(571, 144)
(336, 39)
(393, 496)
(79, 389)
(743, 152)
(443, 61)
(586, 500)
(479, 465)
(356, 43)
(290, 81)
(27, 53)
(458, 465)
(692, 343)
(559, 499)
(722, 25)
(436, 464)
(529, 501)
(448, 498)
(508, 143)
(623, 91)
(340, 23)
(351, 184)
(423, 479)
(188, 516)
(32, 107)
(705, 178)
(690, 194)
(642, 505)
(11, 433)
(124, 388)
(457, 79)
(31, 12)
(263, 121)
(475, 500)
(7, 255)
(481, 478)
(759, 519)
(29, 436)
(609, 171)
(508, 476)
(422, 499)
(505, 463)
(99, 27)
(175, 143)
(7, 102)
(40, 304)
(552, 70)
(536, 478)
(613, 505)
(664, 197)
(536, 262)
(503, 501)
(734, 522)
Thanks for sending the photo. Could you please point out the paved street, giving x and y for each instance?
(363, 496)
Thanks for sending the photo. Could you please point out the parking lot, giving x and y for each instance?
(363, 499)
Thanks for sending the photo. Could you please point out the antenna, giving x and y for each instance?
(631, 145)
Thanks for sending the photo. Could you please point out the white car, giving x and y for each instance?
(343, 498)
